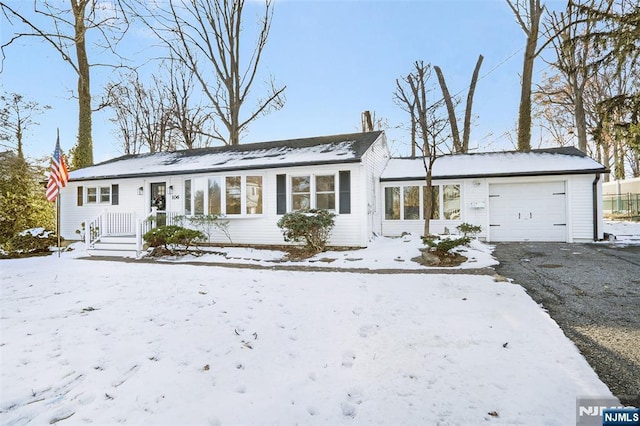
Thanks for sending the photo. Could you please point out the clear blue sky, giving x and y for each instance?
(337, 58)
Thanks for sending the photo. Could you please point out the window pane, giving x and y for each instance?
(198, 196)
(435, 200)
(392, 203)
(105, 195)
(92, 195)
(215, 195)
(254, 194)
(301, 201)
(301, 192)
(451, 202)
(411, 202)
(325, 183)
(187, 197)
(300, 184)
(326, 201)
(233, 194)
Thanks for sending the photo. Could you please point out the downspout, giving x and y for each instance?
(595, 207)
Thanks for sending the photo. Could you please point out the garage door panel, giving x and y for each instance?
(527, 211)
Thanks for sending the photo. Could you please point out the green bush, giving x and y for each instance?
(30, 242)
(170, 237)
(445, 245)
(311, 226)
(468, 229)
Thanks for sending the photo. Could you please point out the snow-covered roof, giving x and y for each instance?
(345, 148)
(552, 161)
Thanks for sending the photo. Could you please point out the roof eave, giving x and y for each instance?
(216, 170)
(499, 175)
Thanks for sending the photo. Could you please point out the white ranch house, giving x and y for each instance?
(542, 195)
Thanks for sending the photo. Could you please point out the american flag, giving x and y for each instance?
(59, 174)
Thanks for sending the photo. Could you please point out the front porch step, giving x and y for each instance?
(112, 253)
(128, 239)
(115, 246)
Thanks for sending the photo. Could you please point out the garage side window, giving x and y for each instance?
(411, 198)
(451, 202)
(392, 203)
(435, 201)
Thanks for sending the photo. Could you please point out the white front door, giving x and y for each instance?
(528, 211)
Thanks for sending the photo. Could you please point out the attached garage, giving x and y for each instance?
(528, 211)
(541, 195)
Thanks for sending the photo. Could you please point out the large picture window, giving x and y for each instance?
(408, 202)
(223, 195)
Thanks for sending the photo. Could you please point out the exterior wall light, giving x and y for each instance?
(140, 190)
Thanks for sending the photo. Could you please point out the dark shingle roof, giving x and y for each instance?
(345, 148)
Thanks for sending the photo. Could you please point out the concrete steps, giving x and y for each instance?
(115, 246)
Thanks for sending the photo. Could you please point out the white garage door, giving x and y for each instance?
(528, 212)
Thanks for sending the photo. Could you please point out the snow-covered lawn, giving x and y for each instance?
(382, 253)
(625, 232)
(111, 342)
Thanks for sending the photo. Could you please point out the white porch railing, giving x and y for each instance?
(126, 224)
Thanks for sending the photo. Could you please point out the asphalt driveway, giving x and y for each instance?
(593, 292)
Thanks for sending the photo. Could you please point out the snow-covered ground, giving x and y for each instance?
(382, 253)
(111, 342)
(625, 232)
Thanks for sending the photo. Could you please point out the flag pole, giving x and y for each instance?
(58, 203)
(58, 221)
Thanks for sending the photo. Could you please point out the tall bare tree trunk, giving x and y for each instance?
(467, 113)
(83, 154)
(527, 13)
(453, 122)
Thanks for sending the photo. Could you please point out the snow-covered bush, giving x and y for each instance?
(171, 237)
(30, 241)
(311, 226)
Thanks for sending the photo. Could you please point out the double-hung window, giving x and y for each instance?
(313, 192)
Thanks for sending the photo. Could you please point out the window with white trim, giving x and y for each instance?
(99, 194)
(313, 192)
(223, 195)
(407, 202)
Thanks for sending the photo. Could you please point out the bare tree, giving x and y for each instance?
(574, 59)
(189, 119)
(528, 14)
(16, 116)
(460, 146)
(206, 36)
(67, 34)
(142, 113)
(411, 94)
